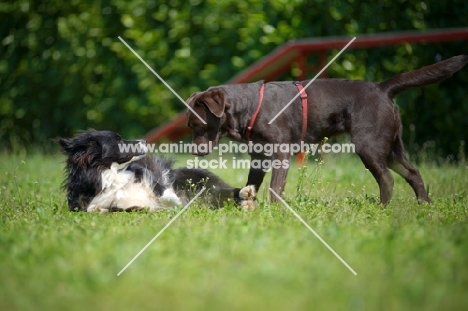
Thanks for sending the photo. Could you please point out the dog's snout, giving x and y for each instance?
(201, 148)
(199, 153)
(196, 151)
(142, 146)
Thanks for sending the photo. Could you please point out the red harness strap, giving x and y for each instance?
(254, 116)
(260, 101)
(304, 108)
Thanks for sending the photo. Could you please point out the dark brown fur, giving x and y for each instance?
(363, 109)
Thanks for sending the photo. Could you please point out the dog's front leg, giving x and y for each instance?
(257, 171)
(280, 167)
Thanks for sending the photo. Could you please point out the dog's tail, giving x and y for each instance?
(424, 76)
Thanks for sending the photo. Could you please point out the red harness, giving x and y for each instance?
(254, 116)
(260, 101)
(304, 108)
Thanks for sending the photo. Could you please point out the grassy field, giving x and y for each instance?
(407, 256)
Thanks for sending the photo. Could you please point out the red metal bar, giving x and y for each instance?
(254, 70)
(437, 35)
(301, 63)
(276, 73)
(322, 62)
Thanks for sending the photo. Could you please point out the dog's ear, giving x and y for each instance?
(214, 101)
(65, 143)
(76, 145)
(191, 101)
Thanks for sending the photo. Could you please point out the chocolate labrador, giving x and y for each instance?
(363, 109)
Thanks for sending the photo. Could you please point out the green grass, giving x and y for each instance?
(407, 256)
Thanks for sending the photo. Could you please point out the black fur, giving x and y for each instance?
(88, 154)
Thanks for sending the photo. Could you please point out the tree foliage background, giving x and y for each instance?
(63, 68)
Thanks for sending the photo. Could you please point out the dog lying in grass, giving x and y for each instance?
(99, 177)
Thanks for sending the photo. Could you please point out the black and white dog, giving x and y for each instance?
(100, 177)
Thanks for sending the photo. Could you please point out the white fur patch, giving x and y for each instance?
(119, 190)
(115, 177)
(169, 198)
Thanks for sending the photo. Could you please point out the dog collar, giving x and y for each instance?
(304, 108)
(254, 116)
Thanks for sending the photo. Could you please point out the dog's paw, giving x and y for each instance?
(248, 193)
(169, 198)
(248, 205)
(248, 196)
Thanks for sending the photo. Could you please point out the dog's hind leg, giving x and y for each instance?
(382, 175)
(374, 158)
(373, 130)
(279, 174)
(399, 163)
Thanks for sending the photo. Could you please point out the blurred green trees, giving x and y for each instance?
(63, 67)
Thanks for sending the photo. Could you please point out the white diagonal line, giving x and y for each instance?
(310, 82)
(312, 230)
(161, 79)
(160, 232)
